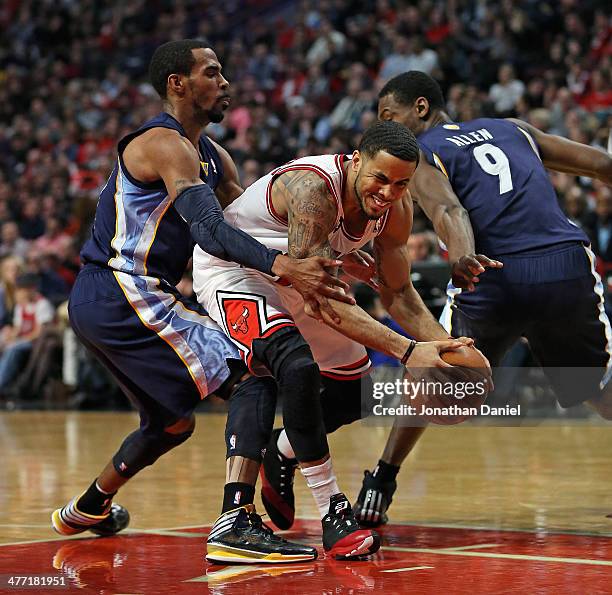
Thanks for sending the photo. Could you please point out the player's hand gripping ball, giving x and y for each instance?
(456, 392)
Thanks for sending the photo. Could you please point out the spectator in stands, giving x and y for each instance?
(12, 243)
(506, 92)
(32, 314)
(600, 231)
(10, 268)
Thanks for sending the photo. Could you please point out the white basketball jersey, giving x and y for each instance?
(253, 212)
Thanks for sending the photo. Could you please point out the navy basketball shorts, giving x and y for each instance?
(554, 298)
(163, 350)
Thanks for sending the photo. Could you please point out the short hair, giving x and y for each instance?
(407, 87)
(391, 137)
(173, 57)
(27, 281)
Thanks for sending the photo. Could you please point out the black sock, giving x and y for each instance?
(93, 501)
(385, 472)
(237, 494)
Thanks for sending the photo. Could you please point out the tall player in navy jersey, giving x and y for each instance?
(163, 350)
(484, 185)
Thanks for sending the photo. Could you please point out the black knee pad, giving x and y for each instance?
(140, 449)
(346, 401)
(250, 418)
(288, 357)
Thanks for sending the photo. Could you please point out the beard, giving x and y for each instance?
(215, 115)
(361, 202)
(206, 116)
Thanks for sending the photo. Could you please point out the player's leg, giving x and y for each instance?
(341, 402)
(254, 316)
(572, 338)
(479, 315)
(160, 431)
(239, 534)
(291, 361)
(165, 355)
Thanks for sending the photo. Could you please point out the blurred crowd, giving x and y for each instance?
(304, 80)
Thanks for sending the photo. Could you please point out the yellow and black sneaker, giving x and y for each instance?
(240, 536)
(69, 520)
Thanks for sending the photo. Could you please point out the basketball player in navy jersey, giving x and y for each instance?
(162, 349)
(484, 185)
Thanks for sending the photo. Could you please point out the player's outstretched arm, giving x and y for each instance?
(175, 160)
(432, 190)
(568, 156)
(397, 293)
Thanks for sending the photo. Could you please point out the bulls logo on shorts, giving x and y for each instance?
(247, 317)
(242, 320)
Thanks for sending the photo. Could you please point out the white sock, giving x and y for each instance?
(322, 483)
(284, 447)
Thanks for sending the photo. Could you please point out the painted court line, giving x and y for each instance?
(447, 552)
(169, 530)
(502, 529)
(470, 547)
(169, 533)
(407, 569)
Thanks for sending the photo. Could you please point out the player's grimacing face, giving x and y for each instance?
(209, 88)
(381, 180)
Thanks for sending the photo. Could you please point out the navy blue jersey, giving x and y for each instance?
(136, 228)
(495, 169)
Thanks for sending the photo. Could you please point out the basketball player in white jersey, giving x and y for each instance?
(328, 205)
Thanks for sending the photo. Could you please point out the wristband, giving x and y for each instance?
(409, 351)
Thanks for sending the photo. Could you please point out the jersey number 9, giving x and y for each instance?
(494, 162)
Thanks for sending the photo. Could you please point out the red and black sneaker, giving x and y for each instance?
(277, 473)
(342, 537)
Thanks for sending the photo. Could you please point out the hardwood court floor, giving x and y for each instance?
(478, 509)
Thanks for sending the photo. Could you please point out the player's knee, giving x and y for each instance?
(140, 449)
(182, 426)
(301, 367)
(346, 401)
(284, 353)
(250, 418)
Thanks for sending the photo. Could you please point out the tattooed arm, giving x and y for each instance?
(397, 293)
(303, 197)
(311, 211)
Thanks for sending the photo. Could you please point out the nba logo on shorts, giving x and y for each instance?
(232, 441)
(237, 497)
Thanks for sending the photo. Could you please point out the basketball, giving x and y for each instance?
(459, 392)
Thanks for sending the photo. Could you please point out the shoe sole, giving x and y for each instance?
(363, 546)
(224, 554)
